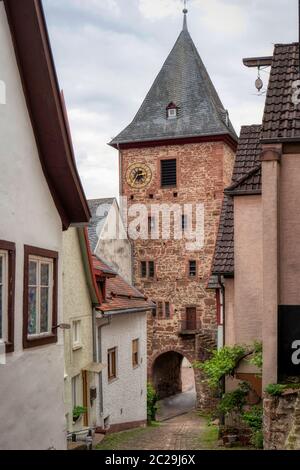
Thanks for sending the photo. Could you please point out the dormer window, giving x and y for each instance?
(172, 111)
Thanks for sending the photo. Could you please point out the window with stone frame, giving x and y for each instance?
(151, 269)
(143, 269)
(167, 310)
(40, 297)
(192, 268)
(147, 269)
(160, 309)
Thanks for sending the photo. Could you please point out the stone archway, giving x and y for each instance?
(169, 374)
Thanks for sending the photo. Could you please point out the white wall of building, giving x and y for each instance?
(77, 307)
(31, 383)
(125, 398)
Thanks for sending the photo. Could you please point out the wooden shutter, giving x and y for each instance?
(168, 173)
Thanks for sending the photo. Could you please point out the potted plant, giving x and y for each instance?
(78, 411)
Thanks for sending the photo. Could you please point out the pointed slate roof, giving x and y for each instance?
(183, 80)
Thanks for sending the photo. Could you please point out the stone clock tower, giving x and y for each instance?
(178, 151)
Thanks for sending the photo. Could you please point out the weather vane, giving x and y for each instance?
(185, 6)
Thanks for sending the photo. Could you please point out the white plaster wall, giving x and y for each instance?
(124, 399)
(113, 246)
(76, 306)
(31, 384)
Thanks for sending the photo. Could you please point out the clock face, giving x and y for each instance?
(138, 175)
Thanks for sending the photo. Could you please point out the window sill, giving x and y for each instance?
(77, 347)
(136, 367)
(113, 380)
(34, 342)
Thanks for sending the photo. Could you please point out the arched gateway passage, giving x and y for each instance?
(172, 374)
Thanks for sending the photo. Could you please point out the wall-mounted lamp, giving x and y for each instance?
(62, 326)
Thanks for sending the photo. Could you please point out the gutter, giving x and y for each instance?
(221, 282)
(98, 355)
(128, 310)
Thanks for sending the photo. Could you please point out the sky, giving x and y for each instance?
(108, 53)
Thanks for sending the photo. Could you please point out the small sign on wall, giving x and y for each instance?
(288, 341)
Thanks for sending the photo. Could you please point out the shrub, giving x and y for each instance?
(254, 419)
(152, 399)
(223, 362)
(275, 390)
(78, 411)
(234, 401)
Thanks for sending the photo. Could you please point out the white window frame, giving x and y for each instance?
(76, 395)
(4, 286)
(39, 260)
(172, 113)
(76, 338)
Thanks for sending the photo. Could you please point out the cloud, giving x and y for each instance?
(158, 9)
(222, 16)
(108, 52)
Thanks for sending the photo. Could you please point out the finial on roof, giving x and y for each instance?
(185, 12)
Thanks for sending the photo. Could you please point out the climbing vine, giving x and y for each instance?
(222, 362)
(257, 355)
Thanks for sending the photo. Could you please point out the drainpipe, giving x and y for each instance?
(99, 354)
(223, 385)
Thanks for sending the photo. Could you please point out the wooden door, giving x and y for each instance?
(191, 321)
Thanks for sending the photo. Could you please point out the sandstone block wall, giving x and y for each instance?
(203, 171)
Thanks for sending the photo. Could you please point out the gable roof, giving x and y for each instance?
(46, 109)
(281, 119)
(121, 297)
(246, 179)
(184, 81)
(99, 209)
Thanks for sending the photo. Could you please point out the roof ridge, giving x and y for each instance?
(243, 178)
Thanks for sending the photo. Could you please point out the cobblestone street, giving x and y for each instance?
(185, 432)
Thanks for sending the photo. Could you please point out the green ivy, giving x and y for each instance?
(254, 418)
(257, 356)
(152, 399)
(235, 400)
(276, 390)
(222, 362)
